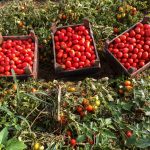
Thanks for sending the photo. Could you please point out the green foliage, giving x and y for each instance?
(10, 144)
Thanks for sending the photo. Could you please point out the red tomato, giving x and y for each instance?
(76, 59)
(82, 48)
(123, 60)
(137, 29)
(138, 36)
(7, 68)
(131, 47)
(72, 53)
(120, 45)
(147, 33)
(139, 55)
(145, 55)
(140, 25)
(147, 42)
(146, 26)
(117, 40)
(87, 63)
(132, 33)
(128, 134)
(81, 28)
(134, 56)
(132, 40)
(78, 54)
(135, 51)
(127, 65)
(86, 32)
(139, 46)
(141, 63)
(119, 54)
(87, 54)
(68, 64)
(2, 69)
(81, 63)
(134, 65)
(115, 50)
(122, 37)
(76, 47)
(60, 54)
(125, 55)
(146, 47)
(75, 41)
(69, 29)
(125, 50)
(73, 142)
(83, 58)
(130, 61)
(76, 65)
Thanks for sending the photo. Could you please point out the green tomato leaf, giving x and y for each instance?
(81, 138)
(143, 143)
(14, 144)
(126, 106)
(131, 140)
(3, 136)
(109, 134)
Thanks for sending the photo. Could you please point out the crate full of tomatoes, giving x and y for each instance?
(19, 53)
(130, 51)
(74, 50)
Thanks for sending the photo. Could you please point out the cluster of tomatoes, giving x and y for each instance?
(125, 10)
(132, 48)
(74, 48)
(89, 106)
(127, 86)
(16, 55)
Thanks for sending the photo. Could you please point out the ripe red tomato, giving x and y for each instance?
(122, 37)
(134, 56)
(73, 142)
(129, 134)
(135, 51)
(88, 55)
(72, 53)
(147, 33)
(138, 36)
(125, 55)
(81, 28)
(130, 61)
(69, 29)
(125, 50)
(132, 40)
(127, 65)
(123, 60)
(76, 59)
(115, 50)
(131, 47)
(145, 55)
(141, 63)
(87, 63)
(117, 40)
(137, 29)
(68, 64)
(119, 54)
(146, 47)
(132, 33)
(140, 25)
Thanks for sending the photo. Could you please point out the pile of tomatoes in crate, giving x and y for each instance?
(132, 49)
(74, 48)
(16, 55)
